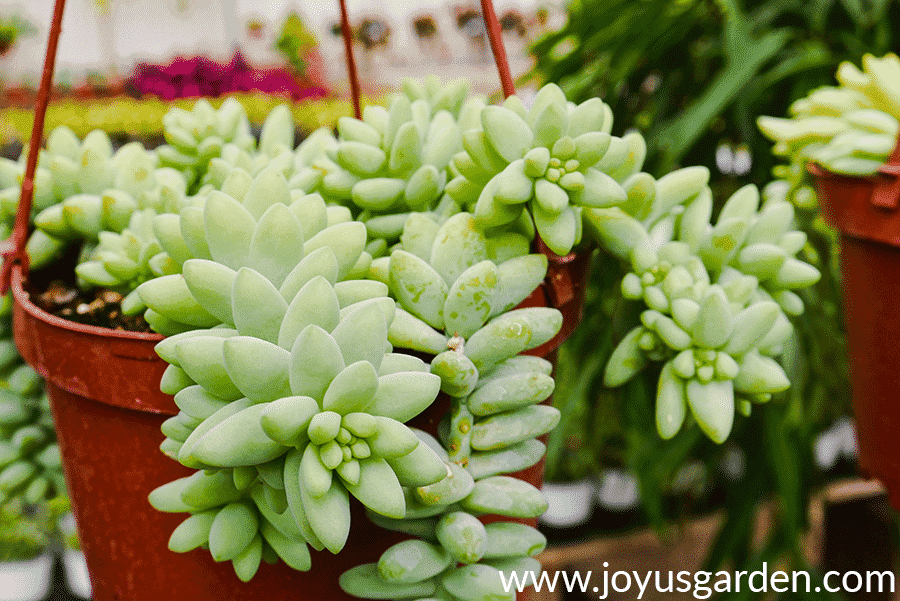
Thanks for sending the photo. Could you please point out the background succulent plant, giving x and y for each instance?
(716, 298)
(850, 128)
(196, 136)
(394, 158)
(138, 185)
(30, 466)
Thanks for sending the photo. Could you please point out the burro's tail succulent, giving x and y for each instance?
(456, 291)
(555, 159)
(298, 406)
(252, 222)
(717, 299)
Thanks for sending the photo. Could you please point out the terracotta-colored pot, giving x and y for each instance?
(104, 390)
(865, 212)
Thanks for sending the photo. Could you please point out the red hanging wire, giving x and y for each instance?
(347, 34)
(496, 39)
(26, 198)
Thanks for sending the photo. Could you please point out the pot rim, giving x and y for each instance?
(818, 171)
(24, 299)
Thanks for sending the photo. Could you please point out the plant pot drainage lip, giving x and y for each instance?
(819, 171)
(112, 367)
(24, 299)
(863, 207)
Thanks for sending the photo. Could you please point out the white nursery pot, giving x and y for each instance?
(568, 504)
(26, 580)
(77, 573)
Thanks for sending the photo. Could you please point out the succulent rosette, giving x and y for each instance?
(195, 136)
(123, 261)
(717, 296)
(246, 223)
(276, 151)
(71, 181)
(451, 96)
(302, 399)
(554, 158)
(450, 280)
(66, 166)
(138, 185)
(851, 128)
(395, 160)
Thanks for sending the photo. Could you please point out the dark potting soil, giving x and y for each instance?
(97, 307)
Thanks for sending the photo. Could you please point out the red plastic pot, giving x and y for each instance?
(865, 212)
(104, 390)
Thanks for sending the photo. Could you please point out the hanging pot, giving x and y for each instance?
(866, 213)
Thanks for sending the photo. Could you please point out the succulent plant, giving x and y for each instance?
(457, 305)
(458, 558)
(196, 136)
(454, 555)
(123, 261)
(851, 128)
(395, 160)
(65, 167)
(250, 222)
(30, 466)
(554, 158)
(138, 186)
(451, 293)
(276, 152)
(297, 167)
(452, 96)
(717, 297)
(325, 420)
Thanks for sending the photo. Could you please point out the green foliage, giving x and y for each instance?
(144, 118)
(11, 28)
(694, 73)
(294, 43)
(24, 533)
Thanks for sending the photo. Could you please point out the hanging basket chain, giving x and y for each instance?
(347, 33)
(496, 40)
(494, 35)
(16, 253)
